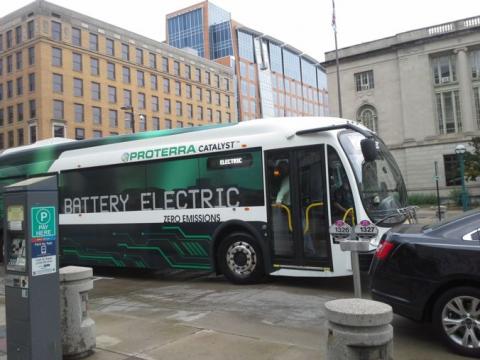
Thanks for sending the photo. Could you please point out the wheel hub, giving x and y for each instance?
(461, 321)
(241, 258)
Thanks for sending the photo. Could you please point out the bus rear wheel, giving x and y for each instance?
(240, 259)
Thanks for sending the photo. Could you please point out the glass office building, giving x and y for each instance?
(272, 78)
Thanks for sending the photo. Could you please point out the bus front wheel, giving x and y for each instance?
(240, 259)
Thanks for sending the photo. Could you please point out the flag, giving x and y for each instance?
(334, 23)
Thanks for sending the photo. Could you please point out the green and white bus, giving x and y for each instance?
(245, 199)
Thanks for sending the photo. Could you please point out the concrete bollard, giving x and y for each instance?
(359, 329)
(78, 329)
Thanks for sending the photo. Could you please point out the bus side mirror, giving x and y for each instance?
(369, 149)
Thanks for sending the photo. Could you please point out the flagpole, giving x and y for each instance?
(334, 25)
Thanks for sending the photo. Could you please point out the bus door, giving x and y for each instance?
(298, 213)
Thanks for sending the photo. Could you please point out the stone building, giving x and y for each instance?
(420, 90)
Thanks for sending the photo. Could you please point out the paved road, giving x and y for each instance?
(199, 316)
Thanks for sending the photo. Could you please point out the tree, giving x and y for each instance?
(472, 160)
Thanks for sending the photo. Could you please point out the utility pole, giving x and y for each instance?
(334, 26)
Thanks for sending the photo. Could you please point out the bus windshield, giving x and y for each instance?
(380, 182)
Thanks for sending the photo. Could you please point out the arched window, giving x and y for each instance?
(367, 115)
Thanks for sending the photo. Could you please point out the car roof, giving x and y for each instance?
(457, 226)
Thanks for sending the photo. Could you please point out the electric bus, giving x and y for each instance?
(245, 200)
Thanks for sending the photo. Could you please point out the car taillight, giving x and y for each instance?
(384, 249)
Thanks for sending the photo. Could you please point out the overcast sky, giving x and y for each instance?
(304, 24)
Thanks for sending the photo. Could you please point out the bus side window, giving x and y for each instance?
(342, 206)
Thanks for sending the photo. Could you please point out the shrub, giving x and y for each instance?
(422, 199)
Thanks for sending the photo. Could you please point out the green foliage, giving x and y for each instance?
(472, 160)
(422, 199)
(456, 196)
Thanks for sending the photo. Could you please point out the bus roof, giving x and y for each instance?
(44, 153)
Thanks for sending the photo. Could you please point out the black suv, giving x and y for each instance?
(432, 273)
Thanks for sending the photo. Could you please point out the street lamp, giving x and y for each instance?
(130, 108)
(460, 151)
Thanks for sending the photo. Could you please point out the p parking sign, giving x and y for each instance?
(43, 222)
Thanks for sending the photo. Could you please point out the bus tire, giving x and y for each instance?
(240, 259)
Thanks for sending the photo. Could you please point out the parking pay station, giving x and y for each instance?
(32, 297)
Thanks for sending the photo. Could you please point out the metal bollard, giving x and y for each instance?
(78, 329)
(359, 329)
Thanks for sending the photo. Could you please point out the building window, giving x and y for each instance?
(168, 123)
(95, 89)
(207, 78)
(198, 93)
(142, 123)
(33, 133)
(2, 117)
(20, 140)
(1, 92)
(227, 100)
(197, 74)
(152, 60)
(187, 71)
(1, 66)
(9, 39)
(165, 64)
(56, 57)
(96, 134)
(31, 55)
(176, 68)
(199, 113)
(110, 46)
(367, 115)
(30, 30)
(475, 61)
(79, 134)
(94, 67)
(452, 170)
(96, 115)
(1, 42)
(10, 139)
(76, 36)
(58, 110)
(245, 46)
(140, 78)
(444, 69)
(33, 109)
(153, 82)
(166, 86)
(19, 60)
(9, 63)
(209, 97)
(9, 88)
(188, 91)
(139, 56)
(125, 52)
(179, 124)
(209, 115)
(79, 113)
(154, 103)
(476, 96)
(112, 94)
(178, 88)
(20, 86)
(77, 87)
(227, 84)
(127, 98)
(10, 114)
(217, 81)
(448, 112)
(93, 42)
(189, 111)
(155, 123)
(56, 31)
(128, 120)
(178, 108)
(110, 71)
(167, 109)
(77, 62)
(141, 101)
(57, 83)
(364, 80)
(217, 98)
(218, 116)
(126, 75)
(20, 112)
(113, 118)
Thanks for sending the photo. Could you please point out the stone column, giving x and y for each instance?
(464, 77)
